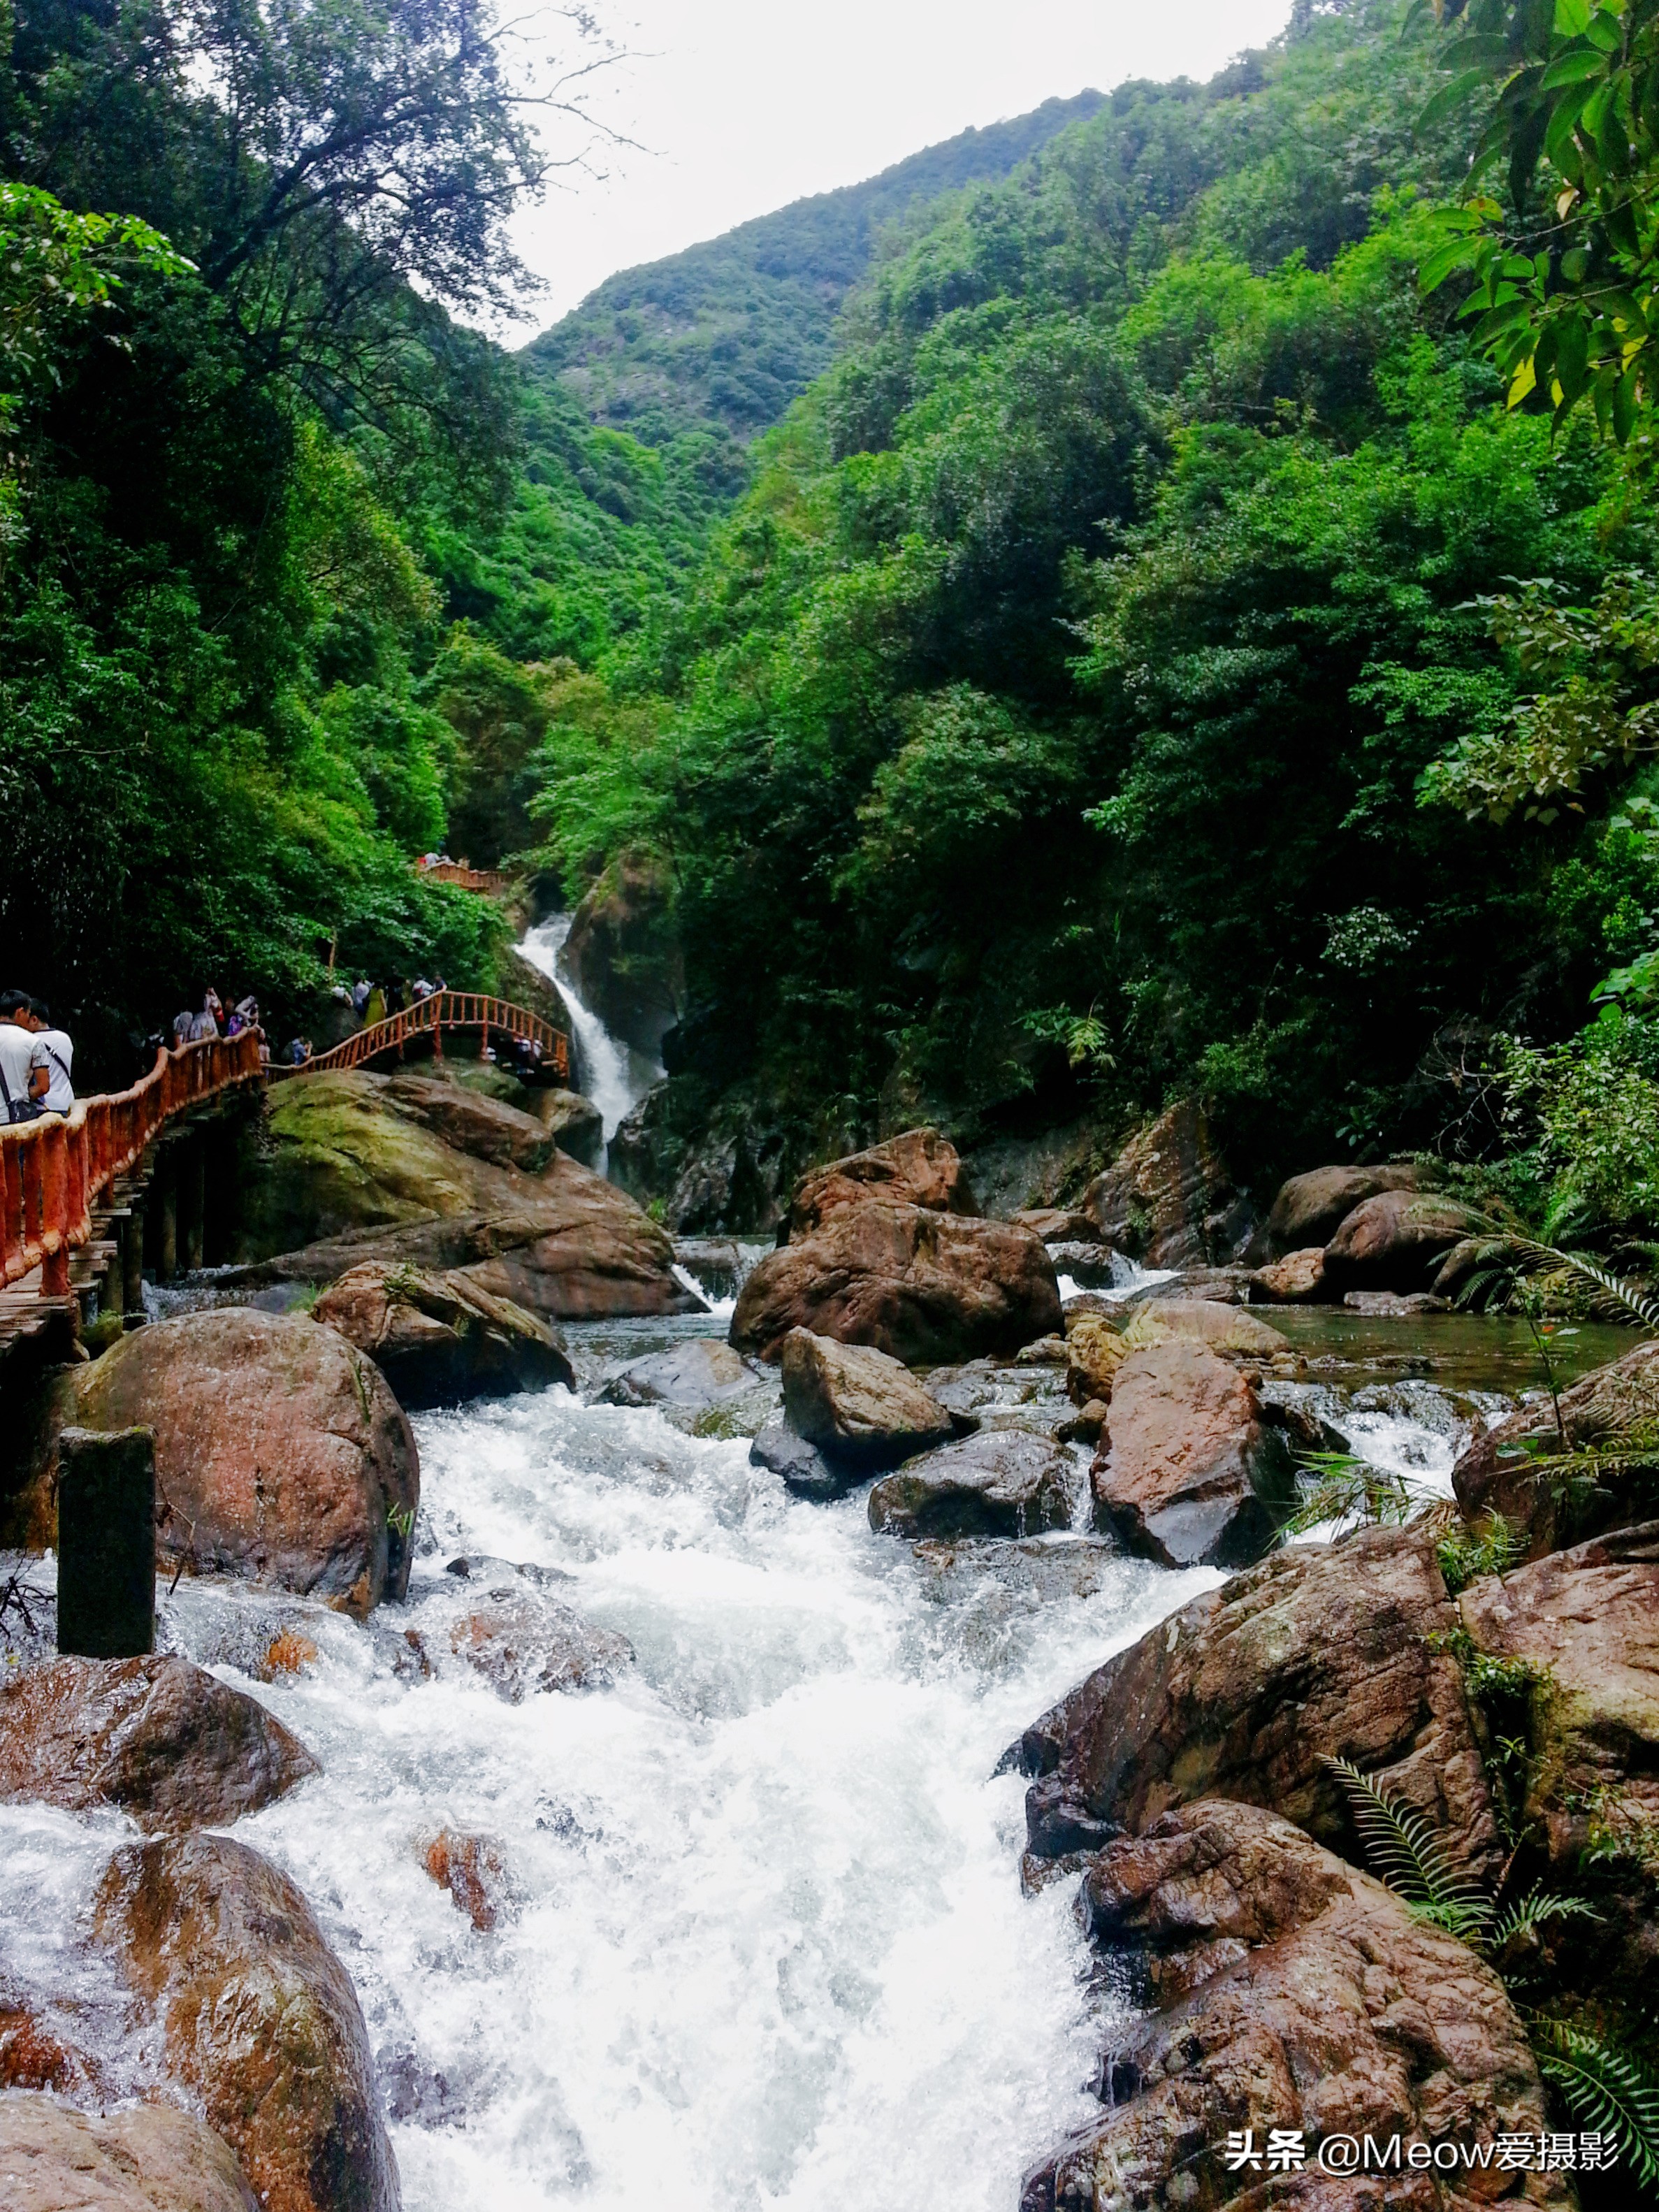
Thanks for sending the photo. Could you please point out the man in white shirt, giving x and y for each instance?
(16, 1058)
(54, 1055)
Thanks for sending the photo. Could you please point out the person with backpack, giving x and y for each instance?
(54, 1053)
(17, 1100)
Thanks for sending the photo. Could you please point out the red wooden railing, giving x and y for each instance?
(444, 1010)
(488, 880)
(52, 1170)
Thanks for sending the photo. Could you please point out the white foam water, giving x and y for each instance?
(617, 1076)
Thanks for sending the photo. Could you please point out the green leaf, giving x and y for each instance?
(1451, 97)
(1573, 68)
(1456, 253)
(1605, 30)
(1572, 17)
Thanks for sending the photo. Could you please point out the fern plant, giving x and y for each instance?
(1609, 2088)
(1352, 1492)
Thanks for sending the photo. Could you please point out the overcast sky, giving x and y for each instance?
(746, 104)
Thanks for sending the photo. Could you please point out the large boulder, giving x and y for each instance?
(929, 1288)
(1279, 1988)
(439, 1340)
(1188, 1473)
(1505, 1471)
(282, 1455)
(1311, 1208)
(1002, 1482)
(470, 1121)
(1395, 1242)
(920, 1168)
(1320, 1652)
(1296, 1279)
(163, 1739)
(351, 1176)
(855, 1404)
(701, 1371)
(148, 2158)
(1097, 1344)
(1168, 1198)
(259, 2025)
(800, 1465)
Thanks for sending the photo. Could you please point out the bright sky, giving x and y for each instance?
(744, 104)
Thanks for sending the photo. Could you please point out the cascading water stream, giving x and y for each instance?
(617, 1076)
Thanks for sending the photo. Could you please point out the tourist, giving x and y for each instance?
(420, 988)
(206, 1023)
(299, 1052)
(16, 1059)
(53, 1055)
(181, 1026)
(360, 994)
(374, 1011)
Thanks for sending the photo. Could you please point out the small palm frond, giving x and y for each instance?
(1406, 1852)
(1609, 2088)
(1350, 1491)
(1615, 1288)
(1535, 1911)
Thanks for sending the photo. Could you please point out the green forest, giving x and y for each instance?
(1159, 602)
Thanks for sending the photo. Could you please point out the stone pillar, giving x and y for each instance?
(132, 1260)
(113, 1288)
(192, 1200)
(164, 1198)
(106, 1543)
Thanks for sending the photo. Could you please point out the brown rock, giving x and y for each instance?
(1311, 1208)
(1287, 1991)
(470, 1122)
(1187, 1472)
(472, 1869)
(439, 1340)
(920, 1168)
(1168, 1198)
(258, 2018)
(282, 1454)
(929, 1288)
(151, 2159)
(855, 1404)
(1057, 1224)
(1394, 1241)
(521, 1644)
(1296, 1279)
(1097, 1344)
(1502, 1471)
(163, 1739)
(1319, 1652)
(1003, 1482)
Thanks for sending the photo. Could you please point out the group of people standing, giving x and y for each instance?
(212, 1021)
(35, 1060)
(378, 1002)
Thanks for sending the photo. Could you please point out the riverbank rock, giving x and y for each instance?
(1187, 1471)
(440, 1339)
(1500, 1472)
(351, 1176)
(259, 2018)
(522, 1643)
(1285, 1991)
(1321, 1651)
(1311, 1208)
(801, 1467)
(701, 1372)
(574, 1121)
(1395, 1242)
(471, 1121)
(1168, 1198)
(280, 1453)
(1097, 1344)
(920, 1168)
(1296, 1279)
(1003, 1482)
(1057, 1224)
(855, 1404)
(165, 1740)
(929, 1288)
(148, 2159)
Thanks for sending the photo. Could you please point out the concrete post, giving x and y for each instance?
(164, 1198)
(132, 1259)
(106, 1543)
(113, 1288)
(192, 1200)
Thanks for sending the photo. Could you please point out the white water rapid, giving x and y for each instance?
(617, 1076)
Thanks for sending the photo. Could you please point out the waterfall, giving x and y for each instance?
(617, 1076)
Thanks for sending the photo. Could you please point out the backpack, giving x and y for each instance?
(18, 1109)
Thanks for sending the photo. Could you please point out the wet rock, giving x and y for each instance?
(441, 1340)
(1097, 1344)
(1091, 1265)
(1083, 1427)
(163, 1739)
(701, 1371)
(855, 1404)
(802, 1467)
(481, 1567)
(1500, 1472)
(472, 1870)
(522, 1644)
(1395, 1242)
(259, 2020)
(920, 1168)
(148, 2159)
(719, 1263)
(1188, 1473)
(1285, 1990)
(927, 1287)
(624, 952)
(1168, 1198)
(280, 1453)
(469, 1122)
(574, 1123)
(1393, 1303)
(1296, 1279)
(1057, 1224)
(1321, 1651)
(1311, 1208)
(1003, 1482)
(1047, 1351)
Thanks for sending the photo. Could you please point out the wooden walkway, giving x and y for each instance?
(489, 881)
(444, 1010)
